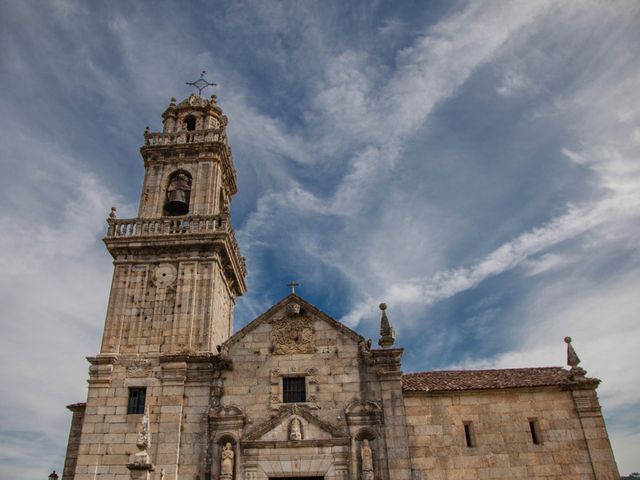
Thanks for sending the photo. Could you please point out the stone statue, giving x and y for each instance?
(142, 442)
(367, 461)
(296, 430)
(226, 462)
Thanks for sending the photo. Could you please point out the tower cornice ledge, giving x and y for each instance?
(203, 232)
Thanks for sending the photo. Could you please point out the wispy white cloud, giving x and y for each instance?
(335, 174)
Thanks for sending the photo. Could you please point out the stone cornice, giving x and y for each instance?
(330, 442)
(223, 242)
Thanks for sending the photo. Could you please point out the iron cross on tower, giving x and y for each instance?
(201, 83)
(292, 285)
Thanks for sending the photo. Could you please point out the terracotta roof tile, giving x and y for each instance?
(456, 380)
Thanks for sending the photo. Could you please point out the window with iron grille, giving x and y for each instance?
(294, 390)
(137, 396)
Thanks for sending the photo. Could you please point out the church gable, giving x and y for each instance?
(294, 424)
(290, 324)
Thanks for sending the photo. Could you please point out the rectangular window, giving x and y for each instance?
(468, 434)
(294, 390)
(535, 431)
(137, 396)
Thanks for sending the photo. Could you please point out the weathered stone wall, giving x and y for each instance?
(109, 434)
(503, 446)
(73, 444)
(159, 306)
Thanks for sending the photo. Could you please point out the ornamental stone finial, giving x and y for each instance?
(387, 334)
(112, 214)
(573, 360)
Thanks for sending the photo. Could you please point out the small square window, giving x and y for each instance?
(294, 390)
(137, 397)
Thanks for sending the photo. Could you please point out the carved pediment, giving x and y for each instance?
(225, 411)
(294, 424)
(292, 320)
(229, 416)
(363, 412)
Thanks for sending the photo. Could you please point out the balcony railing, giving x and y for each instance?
(143, 227)
(131, 228)
(185, 136)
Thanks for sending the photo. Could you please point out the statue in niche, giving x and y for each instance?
(295, 432)
(367, 461)
(226, 462)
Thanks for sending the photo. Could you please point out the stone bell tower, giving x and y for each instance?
(177, 265)
(177, 272)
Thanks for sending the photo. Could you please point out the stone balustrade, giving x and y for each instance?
(174, 226)
(143, 227)
(185, 136)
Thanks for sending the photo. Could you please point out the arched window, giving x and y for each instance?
(178, 194)
(190, 122)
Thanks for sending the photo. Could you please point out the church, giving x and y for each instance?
(175, 394)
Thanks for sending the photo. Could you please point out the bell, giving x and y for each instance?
(177, 203)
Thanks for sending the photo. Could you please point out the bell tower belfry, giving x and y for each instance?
(177, 266)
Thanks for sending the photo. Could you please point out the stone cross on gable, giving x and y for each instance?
(292, 285)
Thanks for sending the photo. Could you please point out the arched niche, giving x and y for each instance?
(220, 444)
(190, 122)
(178, 193)
(371, 437)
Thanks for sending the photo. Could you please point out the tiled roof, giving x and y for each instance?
(457, 380)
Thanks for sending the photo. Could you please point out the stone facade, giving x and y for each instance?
(502, 439)
(174, 395)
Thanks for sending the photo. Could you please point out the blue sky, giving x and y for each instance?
(473, 164)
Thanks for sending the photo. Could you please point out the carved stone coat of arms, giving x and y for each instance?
(292, 334)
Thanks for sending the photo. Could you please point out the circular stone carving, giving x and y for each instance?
(164, 275)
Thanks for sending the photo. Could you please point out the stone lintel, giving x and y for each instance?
(141, 466)
(329, 442)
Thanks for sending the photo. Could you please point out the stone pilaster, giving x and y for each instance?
(173, 378)
(73, 444)
(595, 433)
(387, 363)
